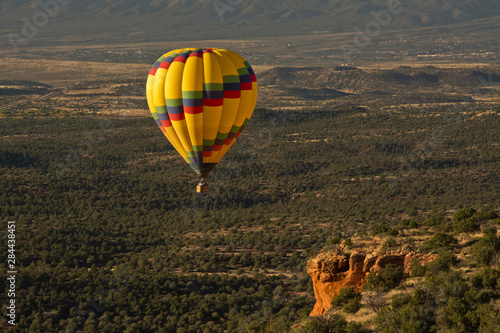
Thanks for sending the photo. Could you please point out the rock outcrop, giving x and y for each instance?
(331, 272)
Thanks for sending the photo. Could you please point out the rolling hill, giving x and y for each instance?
(113, 21)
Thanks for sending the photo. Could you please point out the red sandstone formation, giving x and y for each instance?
(331, 272)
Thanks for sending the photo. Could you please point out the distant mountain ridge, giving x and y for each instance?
(176, 20)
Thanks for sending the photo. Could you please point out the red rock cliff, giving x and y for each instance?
(331, 272)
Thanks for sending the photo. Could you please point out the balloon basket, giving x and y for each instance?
(202, 187)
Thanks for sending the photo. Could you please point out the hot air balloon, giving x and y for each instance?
(201, 99)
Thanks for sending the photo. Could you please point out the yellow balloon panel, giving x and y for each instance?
(201, 99)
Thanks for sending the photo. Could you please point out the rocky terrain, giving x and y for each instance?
(331, 272)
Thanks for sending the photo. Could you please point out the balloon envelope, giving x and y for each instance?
(201, 99)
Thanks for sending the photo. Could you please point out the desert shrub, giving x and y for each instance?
(379, 228)
(408, 313)
(416, 269)
(345, 294)
(392, 232)
(466, 220)
(484, 253)
(387, 320)
(333, 323)
(467, 225)
(315, 324)
(440, 240)
(442, 263)
(349, 299)
(485, 250)
(374, 299)
(457, 315)
(348, 242)
(361, 233)
(334, 239)
(354, 327)
(489, 319)
(400, 300)
(389, 243)
(337, 324)
(459, 303)
(389, 277)
(486, 278)
(486, 216)
(410, 243)
(409, 224)
(463, 214)
(352, 306)
(489, 232)
(435, 220)
(413, 224)
(491, 215)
